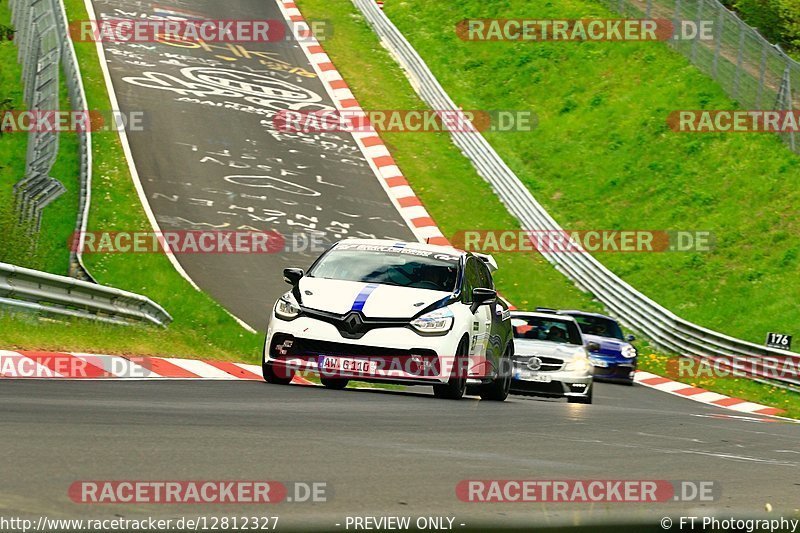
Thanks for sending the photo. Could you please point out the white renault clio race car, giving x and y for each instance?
(393, 312)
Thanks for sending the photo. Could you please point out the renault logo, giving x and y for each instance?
(353, 322)
(534, 363)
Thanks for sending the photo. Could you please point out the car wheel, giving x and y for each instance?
(497, 390)
(334, 383)
(283, 376)
(582, 399)
(457, 385)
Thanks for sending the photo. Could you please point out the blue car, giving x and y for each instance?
(617, 358)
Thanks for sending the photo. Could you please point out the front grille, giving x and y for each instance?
(547, 364)
(309, 347)
(554, 388)
(353, 324)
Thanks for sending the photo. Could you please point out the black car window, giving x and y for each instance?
(600, 326)
(472, 278)
(485, 276)
(545, 329)
(406, 268)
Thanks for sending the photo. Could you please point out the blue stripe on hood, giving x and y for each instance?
(361, 299)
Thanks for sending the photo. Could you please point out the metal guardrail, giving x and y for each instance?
(634, 309)
(44, 44)
(61, 295)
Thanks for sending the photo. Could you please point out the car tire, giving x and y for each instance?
(281, 377)
(582, 399)
(497, 390)
(334, 383)
(457, 385)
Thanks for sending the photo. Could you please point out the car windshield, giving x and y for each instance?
(600, 326)
(401, 267)
(545, 329)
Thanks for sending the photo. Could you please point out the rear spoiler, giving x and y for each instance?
(488, 259)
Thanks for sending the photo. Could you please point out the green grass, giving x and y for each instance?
(201, 328)
(459, 199)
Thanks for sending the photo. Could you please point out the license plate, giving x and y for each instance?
(533, 376)
(347, 365)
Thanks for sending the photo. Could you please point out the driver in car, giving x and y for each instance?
(556, 334)
(441, 279)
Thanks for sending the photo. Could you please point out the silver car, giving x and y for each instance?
(550, 358)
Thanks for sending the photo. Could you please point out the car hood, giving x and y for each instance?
(528, 347)
(372, 299)
(608, 346)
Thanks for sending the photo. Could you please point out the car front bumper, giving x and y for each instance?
(400, 354)
(556, 384)
(613, 369)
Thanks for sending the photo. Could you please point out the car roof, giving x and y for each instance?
(585, 313)
(548, 316)
(406, 244)
(487, 259)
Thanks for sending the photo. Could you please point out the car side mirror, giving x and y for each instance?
(482, 296)
(292, 276)
(593, 347)
(629, 337)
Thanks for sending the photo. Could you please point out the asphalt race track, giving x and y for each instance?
(380, 452)
(210, 157)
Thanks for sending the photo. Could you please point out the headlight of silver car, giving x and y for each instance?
(286, 307)
(437, 322)
(629, 352)
(579, 363)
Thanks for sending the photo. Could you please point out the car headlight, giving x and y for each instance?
(437, 322)
(629, 352)
(579, 363)
(286, 307)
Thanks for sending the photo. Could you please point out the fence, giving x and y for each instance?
(44, 45)
(60, 295)
(636, 310)
(753, 71)
(40, 55)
